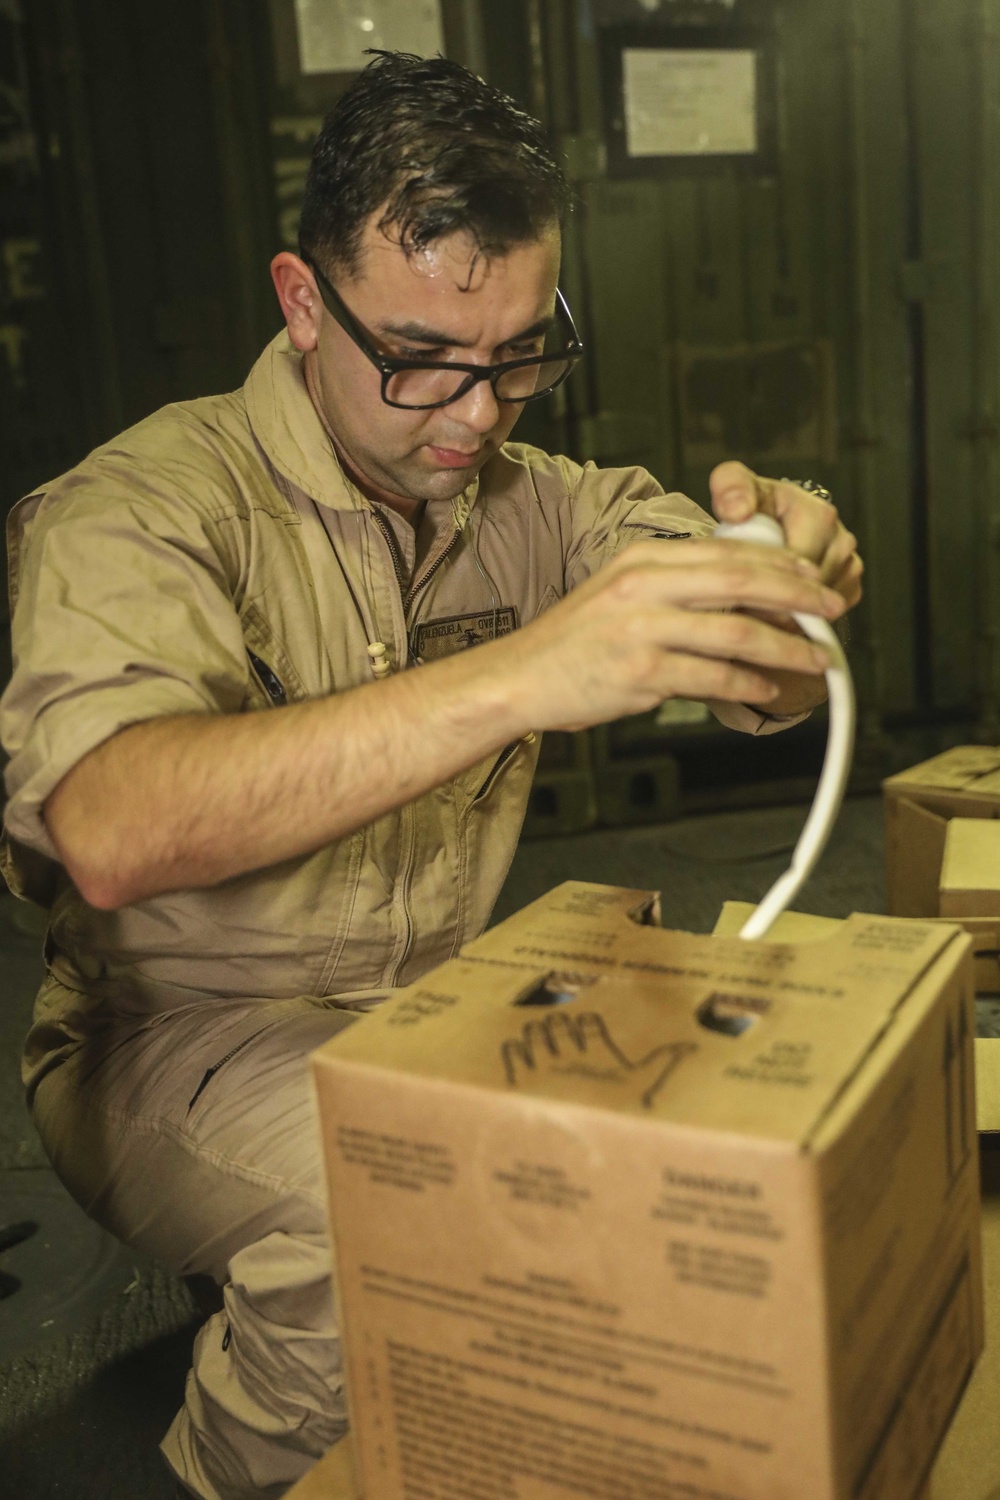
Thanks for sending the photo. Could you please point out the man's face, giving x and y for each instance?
(442, 303)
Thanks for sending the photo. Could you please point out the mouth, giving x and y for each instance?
(454, 458)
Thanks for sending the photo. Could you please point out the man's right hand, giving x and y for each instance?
(664, 620)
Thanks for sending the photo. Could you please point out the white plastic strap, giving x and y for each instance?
(839, 748)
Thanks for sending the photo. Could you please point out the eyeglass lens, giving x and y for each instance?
(429, 387)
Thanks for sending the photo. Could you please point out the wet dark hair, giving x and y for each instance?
(441, 150)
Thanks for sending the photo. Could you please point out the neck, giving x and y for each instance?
(410, 510)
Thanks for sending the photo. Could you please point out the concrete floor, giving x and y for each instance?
(94, 1345)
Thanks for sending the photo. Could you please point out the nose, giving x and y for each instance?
(478, 409)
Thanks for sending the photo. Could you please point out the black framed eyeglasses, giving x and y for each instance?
(420, 385)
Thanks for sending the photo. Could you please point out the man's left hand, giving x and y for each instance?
(811, 525)
(812, 529)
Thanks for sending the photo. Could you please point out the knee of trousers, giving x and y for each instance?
(265, 1396)
(189, 1187)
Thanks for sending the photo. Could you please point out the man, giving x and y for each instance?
(350, 546)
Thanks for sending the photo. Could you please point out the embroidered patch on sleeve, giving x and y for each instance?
(436, 638)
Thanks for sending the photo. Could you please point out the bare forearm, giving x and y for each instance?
(182, 803)
(187, 802)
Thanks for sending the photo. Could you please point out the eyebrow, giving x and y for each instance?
(419, 333)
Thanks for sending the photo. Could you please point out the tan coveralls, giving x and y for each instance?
(212, 560)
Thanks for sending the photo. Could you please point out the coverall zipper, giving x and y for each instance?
(407, 597)
(422, 582)
(398, 566)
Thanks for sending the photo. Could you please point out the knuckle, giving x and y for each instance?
(739, 631)
(737, 577)
(626, 586)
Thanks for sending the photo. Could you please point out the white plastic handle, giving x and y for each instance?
(765, 531)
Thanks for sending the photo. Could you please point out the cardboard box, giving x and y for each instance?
(970, 870)
(968, 1466)
(621, 1212)
(333, 1478)
(985, 938)
(920, 803)
(961, 783)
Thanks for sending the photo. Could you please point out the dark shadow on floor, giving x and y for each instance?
(103, 1440)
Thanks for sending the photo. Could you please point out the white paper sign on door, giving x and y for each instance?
(690, 102)
(333, 34)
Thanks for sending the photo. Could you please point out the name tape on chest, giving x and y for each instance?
(436, 638)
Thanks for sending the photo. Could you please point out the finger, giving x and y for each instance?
(842, 546)
(738, 493)
(846, 570)
(810, 524)
(734, 583)
(848, 582)
(740, 638)
(706, 549)
(675, 675)
(706, 681)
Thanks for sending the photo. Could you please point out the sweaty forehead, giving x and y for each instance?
(455, 262)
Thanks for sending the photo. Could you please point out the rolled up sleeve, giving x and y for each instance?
(749, 720)
(124, 612)
(611, 509)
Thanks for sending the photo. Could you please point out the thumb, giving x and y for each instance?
(736, 492)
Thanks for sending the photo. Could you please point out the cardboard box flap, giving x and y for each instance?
(967, 768)
(593, 929)
(705, 1031)
(914, 847)
(987, 1085)
(985, 935)
(799, 927)
(791, 926)
(576, 921)
(971, 860)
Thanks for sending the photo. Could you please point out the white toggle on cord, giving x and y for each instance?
(839, 747)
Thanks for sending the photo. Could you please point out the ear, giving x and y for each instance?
(300, 299)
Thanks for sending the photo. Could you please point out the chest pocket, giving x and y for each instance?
(642, 531)
(269, 681)
(496, 770)
(272, 679)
